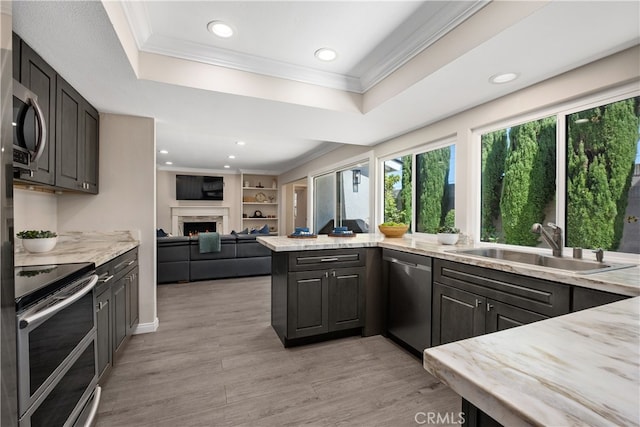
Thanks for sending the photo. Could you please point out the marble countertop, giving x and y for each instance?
(582, 368)
(95, 246)
(623, 281)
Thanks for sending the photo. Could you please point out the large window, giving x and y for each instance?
(428, 201)
(600, 167)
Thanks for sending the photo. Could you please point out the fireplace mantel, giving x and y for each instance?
(182, 214)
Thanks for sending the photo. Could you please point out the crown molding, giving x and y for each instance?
(139, 22)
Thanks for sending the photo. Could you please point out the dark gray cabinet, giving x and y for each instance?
(39, 77)
(408, 293)
(116, 308)
(76, 140)
(469, 301)
(70, 159)
(584, 298)
(317, 292)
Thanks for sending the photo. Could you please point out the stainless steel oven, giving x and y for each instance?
(56, 344)
(29, 128)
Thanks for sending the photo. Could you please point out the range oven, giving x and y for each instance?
(29, 129)
(56, 345)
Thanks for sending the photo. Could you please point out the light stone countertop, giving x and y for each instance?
(95, 246)
(623, 281)
(580, 369)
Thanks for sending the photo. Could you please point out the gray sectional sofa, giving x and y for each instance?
(180, 260)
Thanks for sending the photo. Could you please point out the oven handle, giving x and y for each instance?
(61, 305)
(94, 406)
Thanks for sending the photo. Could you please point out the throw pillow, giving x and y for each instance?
(264, 230)
(161, 233)
(245, 231)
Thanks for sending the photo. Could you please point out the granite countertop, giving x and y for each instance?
(95, 246)
(582, 368)
(624, 281)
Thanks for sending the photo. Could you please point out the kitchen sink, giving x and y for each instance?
(569, 264)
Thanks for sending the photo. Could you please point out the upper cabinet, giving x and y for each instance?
(70, 159)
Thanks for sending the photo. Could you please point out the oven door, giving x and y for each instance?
(51, 335)
(29, 128)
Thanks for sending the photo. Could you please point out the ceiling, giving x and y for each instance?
(400, 66)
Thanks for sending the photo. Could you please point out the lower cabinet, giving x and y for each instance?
(317, 292)
(469, 301)
(116, 309)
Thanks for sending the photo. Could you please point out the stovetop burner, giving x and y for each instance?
(35, 282)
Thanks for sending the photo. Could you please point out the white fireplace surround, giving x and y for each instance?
(182, 214)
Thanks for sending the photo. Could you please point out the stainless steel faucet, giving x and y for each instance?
(555, 240)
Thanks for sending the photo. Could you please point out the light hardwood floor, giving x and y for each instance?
(215, 361)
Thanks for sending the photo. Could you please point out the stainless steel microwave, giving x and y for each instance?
(29, 129)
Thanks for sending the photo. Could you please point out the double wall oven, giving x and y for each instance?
(56, 345)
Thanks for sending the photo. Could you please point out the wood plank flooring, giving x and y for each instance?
(215, 361)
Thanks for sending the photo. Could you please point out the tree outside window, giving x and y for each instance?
(435, 189)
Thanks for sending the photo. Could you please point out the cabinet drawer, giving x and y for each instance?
(105, 277)
(333, 258)
(539, 296)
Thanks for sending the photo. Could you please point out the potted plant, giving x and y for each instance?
(38, 241)
(394, 225)
(448, 233)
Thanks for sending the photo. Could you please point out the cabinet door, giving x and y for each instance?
(68, 136)
(104, 330)
(346, 298)
(456, 314)
(132, 300)
(38, 76)
(90, 159)
(119, 313)
(308, 307)
(502, 316)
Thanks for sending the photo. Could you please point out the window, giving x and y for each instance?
(518, 182)
(599, 204)
(603, 177)
(341, 198)
(429, 200)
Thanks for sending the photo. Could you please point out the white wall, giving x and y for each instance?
(614, 71)
(126, 199)
(166, 192)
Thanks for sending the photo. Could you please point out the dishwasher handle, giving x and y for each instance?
(407, 264)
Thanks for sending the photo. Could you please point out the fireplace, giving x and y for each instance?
(181, 216)
(193, 228)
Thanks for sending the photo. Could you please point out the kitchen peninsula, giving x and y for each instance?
(580, 368)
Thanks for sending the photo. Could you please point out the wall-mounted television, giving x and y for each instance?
(199, 187)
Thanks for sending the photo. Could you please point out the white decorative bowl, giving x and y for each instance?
(39, 245)
(448, 238)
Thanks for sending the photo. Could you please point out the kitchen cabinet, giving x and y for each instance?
(259, 202)
(408, 290)
(469, 301)
(316, 293)
(70, 159)
(116, 309)
(584, 298)
(76, 140)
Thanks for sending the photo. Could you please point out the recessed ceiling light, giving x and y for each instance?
(220, 29)
(231, 156)
(240, 143)
(503, 78)
(227, 166)
(164, 152)
(326, 54)
(168, 163)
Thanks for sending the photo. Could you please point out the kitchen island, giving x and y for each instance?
(578, 369)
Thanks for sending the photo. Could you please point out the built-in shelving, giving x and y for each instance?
(259, 202)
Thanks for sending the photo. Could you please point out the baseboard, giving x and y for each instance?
(145, 328)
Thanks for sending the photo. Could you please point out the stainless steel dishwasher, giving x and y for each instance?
(409, 298)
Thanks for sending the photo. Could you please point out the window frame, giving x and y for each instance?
(413, 152)
(560, 111)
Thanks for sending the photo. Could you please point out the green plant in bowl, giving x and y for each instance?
(447, 229)
(37, 241)
(36, 234)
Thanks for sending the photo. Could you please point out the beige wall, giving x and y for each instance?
(615, 71)
(166, 191)
(127, 197)
(34, 210)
